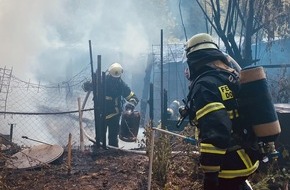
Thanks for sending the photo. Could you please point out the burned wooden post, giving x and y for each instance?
(95, 83)
(150, 102)
(103, 111)
(11, 132)
(161, 75)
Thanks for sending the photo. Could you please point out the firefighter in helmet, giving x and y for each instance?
(228, 154)
(116, 90)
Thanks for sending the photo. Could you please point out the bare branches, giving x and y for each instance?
(248, 19)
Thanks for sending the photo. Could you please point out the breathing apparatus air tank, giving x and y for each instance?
(257, 107)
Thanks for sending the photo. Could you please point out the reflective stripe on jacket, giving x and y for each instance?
(115, 89)
(217, 114)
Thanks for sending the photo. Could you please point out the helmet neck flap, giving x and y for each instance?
(197, 60)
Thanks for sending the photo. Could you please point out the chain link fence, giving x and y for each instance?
(44, 112)
(49, 112)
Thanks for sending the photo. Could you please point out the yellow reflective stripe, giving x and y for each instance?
(210, 168)
(111, 115)
(236, 113)
(245, 157)
(133, 101)
(209, 148)
(130, 96)
(238, 173)
(116, 108)
(231, 114)
(214, 106)
(250, 168)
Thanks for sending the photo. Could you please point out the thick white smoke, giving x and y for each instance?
(42, 40)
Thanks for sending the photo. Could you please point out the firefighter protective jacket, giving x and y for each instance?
(214, 102)
(116, 88)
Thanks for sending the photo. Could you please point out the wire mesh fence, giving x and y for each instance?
(47, 113)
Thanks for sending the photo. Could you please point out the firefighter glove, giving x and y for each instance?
(183, 111)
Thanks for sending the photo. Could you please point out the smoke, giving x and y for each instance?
(48, 40)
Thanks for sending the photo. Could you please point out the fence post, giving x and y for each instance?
(151, 158)
(11, 132)
(82, 147)
(69, 154)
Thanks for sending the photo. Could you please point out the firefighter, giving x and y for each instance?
(173, 110)
(116, 90)
(229, 153)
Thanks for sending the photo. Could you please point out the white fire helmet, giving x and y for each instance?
(115, 70)
(200, 41)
